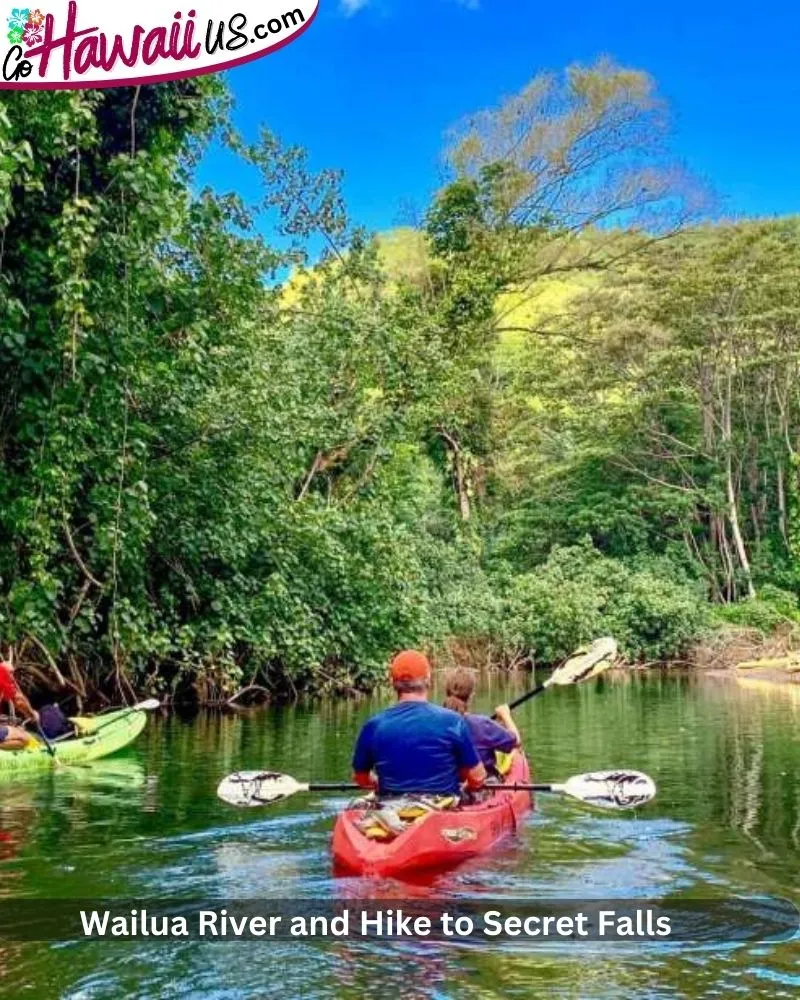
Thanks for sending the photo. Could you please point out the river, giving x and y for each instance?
(146, 823)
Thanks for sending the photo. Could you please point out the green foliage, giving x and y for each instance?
(772, 609)
(578, 594)
(210, 479)
(456, 218)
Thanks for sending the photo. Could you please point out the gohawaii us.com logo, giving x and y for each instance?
(88, 43)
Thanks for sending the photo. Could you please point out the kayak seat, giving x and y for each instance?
(376, 832)
(388, 819)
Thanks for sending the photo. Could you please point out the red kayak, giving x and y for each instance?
(437, 839)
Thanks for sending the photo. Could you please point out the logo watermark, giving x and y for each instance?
(87, 43)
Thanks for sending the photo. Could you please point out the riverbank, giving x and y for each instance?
(749, 654)
(728, 650)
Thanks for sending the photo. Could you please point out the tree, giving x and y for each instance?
(683, 390)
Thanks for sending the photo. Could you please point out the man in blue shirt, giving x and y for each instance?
(415, 747)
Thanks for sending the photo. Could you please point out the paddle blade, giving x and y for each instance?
(150, 705)
(257, 788)
(588, 662)
(611, 789)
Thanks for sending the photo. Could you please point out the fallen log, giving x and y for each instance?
(789, 663)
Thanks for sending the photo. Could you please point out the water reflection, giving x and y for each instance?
(147, 823)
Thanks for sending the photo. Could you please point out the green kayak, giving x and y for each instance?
(101, 735)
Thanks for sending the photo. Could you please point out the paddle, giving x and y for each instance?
(143, 706)
(50, 748)
(605, 789)
(583, 664)
(149, 705)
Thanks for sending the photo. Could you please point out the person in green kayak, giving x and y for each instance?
(489, 737)
(14, 737)
(415, 747)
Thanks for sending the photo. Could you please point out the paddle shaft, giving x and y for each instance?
(524, 697)
(349, 787)
(119, 718)
(528, 694)
(50, 748)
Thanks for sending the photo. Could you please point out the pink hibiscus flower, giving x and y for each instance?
(33, 34)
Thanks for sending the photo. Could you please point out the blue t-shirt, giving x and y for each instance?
(488, 736)
(415, 746)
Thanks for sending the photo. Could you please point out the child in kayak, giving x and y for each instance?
(488, 736)
(14, 737)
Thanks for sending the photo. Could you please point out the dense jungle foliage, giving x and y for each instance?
(562, 405)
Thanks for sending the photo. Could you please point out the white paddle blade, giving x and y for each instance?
(611, 789)
(257, 788)
(150, 705)
(586, 662)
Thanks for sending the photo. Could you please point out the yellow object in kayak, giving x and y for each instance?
(85, 724)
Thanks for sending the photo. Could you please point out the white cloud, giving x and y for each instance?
(350, 7)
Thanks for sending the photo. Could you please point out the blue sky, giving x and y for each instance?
(373, 84)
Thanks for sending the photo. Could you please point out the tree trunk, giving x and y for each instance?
(733, 512)
(782, 505)
(461, 485)
(459, 474)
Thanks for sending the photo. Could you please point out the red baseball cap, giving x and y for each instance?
(410, 665)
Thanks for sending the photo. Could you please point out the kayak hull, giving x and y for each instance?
(439, 840)
(103, 735)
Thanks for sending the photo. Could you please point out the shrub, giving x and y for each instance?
(579, 594)
(771, 609)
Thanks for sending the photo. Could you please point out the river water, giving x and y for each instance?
(146, 824)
